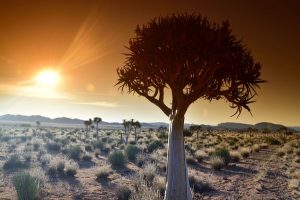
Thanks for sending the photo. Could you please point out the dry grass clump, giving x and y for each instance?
(103, 172)
(256, 148)
(217, 163)
(190, 159)
(210, 151)
(71, 168)
(294, 184)
(199, 185)
(149, 172)
(200, 155)
(123, 193)
(295, 174)
(245, 152)
(144, 190)
(280, 152)
(235, 156)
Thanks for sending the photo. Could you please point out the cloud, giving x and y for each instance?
(100, 104)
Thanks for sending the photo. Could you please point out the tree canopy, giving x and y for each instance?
(194, 58)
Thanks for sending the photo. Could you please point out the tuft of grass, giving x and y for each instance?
(256, 148)
(123, 193)
(103, 172)
(117, 158)
(74, 152)
(149, 172)
(217, 163)
(200, 155)
(222, 153)
(294, 184)
(245, 152)
(199, 185)
(235, 156)
(14, 162)
(27, 186)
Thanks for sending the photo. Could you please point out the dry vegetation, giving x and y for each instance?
(56, 163)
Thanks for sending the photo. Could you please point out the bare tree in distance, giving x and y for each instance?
(87, 124)
(194, 59)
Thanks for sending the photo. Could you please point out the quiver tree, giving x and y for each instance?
(196, 128)
(194, 59)
(87, 125)
(97, 120)
(135, 125)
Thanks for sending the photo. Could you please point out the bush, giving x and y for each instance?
(156, 144)
(117, 158)
(98, 145)
(74, 152)
(27, 187)
(87, 157)
(217, 162)
(245, 152)
(123, 193)
(14, 162)
(53, 146)
(149, 172)
(199, 155)
(198, 185)
(222, 153)
(131, 152)
(141, 159)
(103, 172)
(272, 141)
(191, 160)
(235, 156)
(36, 146)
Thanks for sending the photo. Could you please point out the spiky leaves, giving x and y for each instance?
(192, 57)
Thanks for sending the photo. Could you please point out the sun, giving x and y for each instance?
(48, 78)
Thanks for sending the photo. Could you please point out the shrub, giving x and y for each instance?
(13, 162)
(60, 166)
(103, 172)
(199, 155)
(36, 146)
(123, 193)
(222, 153)
(256, 148)
(141, 159)
(272, 141)
(235, 156)
(131, 152)
(156, 144)
(198, 185)
(217, 162)
(27, 186)
(71, 168)
(53, 146)
(98, 145)
(87, 157)
(117, 158)
(74, 152)
(149, 172)
(88, 148)
(245, 152)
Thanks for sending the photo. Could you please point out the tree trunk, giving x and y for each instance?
(97, 132)
(197, 135)
(177, 185)
(135, 136)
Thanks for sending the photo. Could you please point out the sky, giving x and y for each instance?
(84, 42)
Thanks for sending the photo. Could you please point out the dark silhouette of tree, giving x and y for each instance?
(196, 128)
(87, 124)
(135, 125)
(97, 120)
(126, 125)
(194, 59)
(38, 124)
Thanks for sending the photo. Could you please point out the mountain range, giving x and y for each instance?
(79, 123)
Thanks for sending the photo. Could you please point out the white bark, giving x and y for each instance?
(177, 186)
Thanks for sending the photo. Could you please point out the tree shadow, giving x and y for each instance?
(85, 164)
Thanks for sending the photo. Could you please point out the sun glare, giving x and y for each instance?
(48, 78)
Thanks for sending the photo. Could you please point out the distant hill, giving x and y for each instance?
(260, 126)
(79, 123)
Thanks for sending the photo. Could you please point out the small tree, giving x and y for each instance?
(97, 120)
(38, 124)
(135, 125)
(87, 124)
(194, 59)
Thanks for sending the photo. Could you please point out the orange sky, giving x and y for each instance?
(84, 41)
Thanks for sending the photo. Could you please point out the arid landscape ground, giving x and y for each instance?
(71, 163)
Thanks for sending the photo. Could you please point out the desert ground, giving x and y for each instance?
(73, 163)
